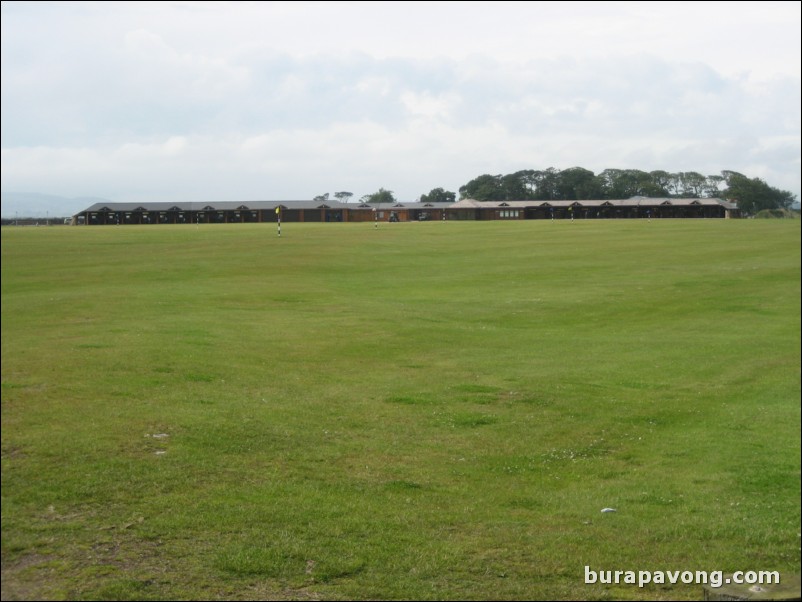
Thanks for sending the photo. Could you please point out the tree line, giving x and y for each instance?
(576, 184)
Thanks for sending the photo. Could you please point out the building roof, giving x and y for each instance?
(462, 204)
(217, 206)
(631, 202)
(256, 206)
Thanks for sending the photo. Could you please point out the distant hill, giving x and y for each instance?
(35, 204)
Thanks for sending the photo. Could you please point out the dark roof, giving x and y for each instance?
(213, 206)
(632, 202)
(334, 204)
(254, 206)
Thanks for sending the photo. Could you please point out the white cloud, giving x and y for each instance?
(429, 106)
(177, 100)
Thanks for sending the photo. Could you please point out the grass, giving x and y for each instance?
(423, 411)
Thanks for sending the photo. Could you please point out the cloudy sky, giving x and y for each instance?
(213, 101)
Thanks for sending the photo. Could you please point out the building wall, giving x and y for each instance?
(347, 214)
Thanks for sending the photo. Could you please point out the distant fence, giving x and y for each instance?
(36, 221)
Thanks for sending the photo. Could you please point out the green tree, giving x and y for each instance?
(438, 195)
(753, 194)
(483, 188)
(382, 196)
(712, 186)
(513, 187)
(661, 182)
(674, 185)
(321, 198)
(693, 184)
(343, 196)
(545, 184)
(576, 183)
(613, 184)
(627, 183)
(527, 180)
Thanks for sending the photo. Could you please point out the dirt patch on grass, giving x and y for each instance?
(23, 578)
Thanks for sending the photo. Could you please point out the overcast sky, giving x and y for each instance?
(229, 101)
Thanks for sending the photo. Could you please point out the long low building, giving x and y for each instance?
(636, 207)
(101, 214)
(227, 212)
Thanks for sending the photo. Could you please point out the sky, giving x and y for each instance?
(229, 101)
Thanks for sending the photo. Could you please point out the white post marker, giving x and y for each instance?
(278, 218)
(375, 219)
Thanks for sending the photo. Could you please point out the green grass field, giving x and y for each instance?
(423, 411)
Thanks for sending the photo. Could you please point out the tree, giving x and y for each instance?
(639, 183)
(526, 177)
(693, 184)
(627, 183)
(382, 196)
(712, 186)
(753, 194)
(545, 183)
(483, 188)
(343, 196)
(438, 195)
(321, 198)
(646, 185)
(611, 182)
(674, 185)
(661, 181)
(513, 187)
(576, 183)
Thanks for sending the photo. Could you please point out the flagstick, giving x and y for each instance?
(278, 218)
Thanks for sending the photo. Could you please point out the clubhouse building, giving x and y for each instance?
(103, 214)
